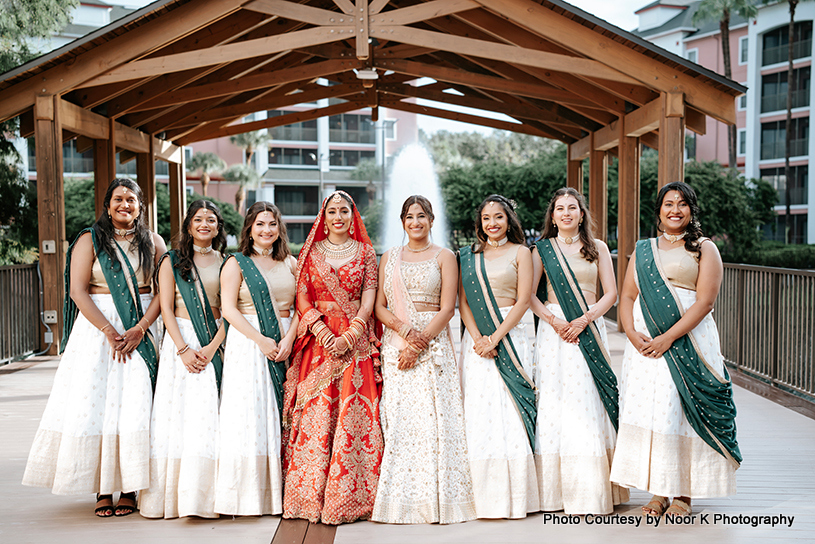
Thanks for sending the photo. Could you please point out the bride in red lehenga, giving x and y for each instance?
(331, 435)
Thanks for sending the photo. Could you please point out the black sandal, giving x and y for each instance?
(128, 507)
(104, 510)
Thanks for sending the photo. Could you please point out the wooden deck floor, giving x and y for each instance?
(777, 478)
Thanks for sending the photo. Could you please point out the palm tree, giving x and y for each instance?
(206, 163)
(249, 142)
(245, 176)
(721, 10)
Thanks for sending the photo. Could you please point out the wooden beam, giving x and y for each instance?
(224, 53)
(424, 11)
(303, 72)
(695, 120)
(650, 139)
(467, 118)
(299, 12)
(607, 137)
(50, 206)
(580, 149)
(83, 144)
(451, 75)
(377, 6)
(671, 165)
(103, 172)
(598, 190)
(178, 195)
(628, 205)
(574, 174)
(282, 120)
(362, 29)
(643, 119)
(125, 47)
(132, 139)
(168, 152)
(345, 5)
(499, 51)
(83, 122)
(146, 177)
(651, 72)
(27, 123)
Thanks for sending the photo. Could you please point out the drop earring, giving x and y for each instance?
(351, 230)
(325, 228)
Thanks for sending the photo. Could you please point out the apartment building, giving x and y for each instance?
(758, 60)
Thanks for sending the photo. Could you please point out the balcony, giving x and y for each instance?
(338, 135)
(780, 53)
(775, 150)
(300, 134)
(778, 102)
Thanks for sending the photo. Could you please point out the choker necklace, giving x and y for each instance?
(569, 240)
(263, 252)
(202, 250)
(420, 249)
(124, 232)
(499, 243)
(337, 252)
(672, 238)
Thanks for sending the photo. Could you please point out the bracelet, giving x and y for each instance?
(551, 319)
(143, 332)
(404, 330)
(413, 349)
(183, 350)
(105, 327)
(489, 338)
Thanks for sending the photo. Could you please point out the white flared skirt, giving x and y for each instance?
(574, 442)
(249, 479)
(94, 436)
(657, 449)
(425, 474)
(183, 437)
(505, 482)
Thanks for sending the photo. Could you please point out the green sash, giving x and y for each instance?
(707, 397)
(119, 283)
(269, 326)
(573, 304)
(488, 319)
(203, 320)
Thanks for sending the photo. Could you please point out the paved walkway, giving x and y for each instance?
(776, 479)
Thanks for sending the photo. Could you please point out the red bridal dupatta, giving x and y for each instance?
(332, 439)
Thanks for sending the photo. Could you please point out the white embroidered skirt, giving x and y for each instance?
(505, 483)
(94, 436)
(249, 473)
(425, 476)
(183, 437)
(657, 449)
(574, 443)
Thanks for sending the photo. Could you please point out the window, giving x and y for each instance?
(692, 55)
(774, 90)
(775, 43)
(390, 129)
(298, 232)
(773, 138)
(744, 48)
(798, 235)
(798, 187)
(742, 142)
(297, 200)
(741, 102)
(359, 194)
(348, 157)
(305, 131)
(351, 128)
(293, 156)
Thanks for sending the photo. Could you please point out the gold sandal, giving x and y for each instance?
(678, 508)
(655, 507)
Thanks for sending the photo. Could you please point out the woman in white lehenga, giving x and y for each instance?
(497, 366)
(676, 440)
(425, 476)
(257, 297)
(94, 436)
(184, 426)
(578, 399)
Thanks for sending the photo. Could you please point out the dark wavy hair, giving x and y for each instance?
(280, 247)
(515, 233)
(142, 238)
(693, 232)
(184, 241)
(585, 229)
(422, 201)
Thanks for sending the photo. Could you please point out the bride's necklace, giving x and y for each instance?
(338, 252)
(568, 240)
(204, 250)
(498, 243)
(420, 249)
(124, 233)
(264, 252)
(673, 238)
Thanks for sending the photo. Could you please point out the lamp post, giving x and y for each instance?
(319, 161)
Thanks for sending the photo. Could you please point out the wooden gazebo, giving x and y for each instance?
(183, 71)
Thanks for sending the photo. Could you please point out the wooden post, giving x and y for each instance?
(598, 190)
(50, 208)
(574, 173)
(103, 171)
(146, 176)
(178, 194)
(671, 139)
(628, 206)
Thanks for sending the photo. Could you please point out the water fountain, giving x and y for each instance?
(412, 174)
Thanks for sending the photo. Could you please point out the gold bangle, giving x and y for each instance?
(143, 332)
(105, 327)
(183, 350)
